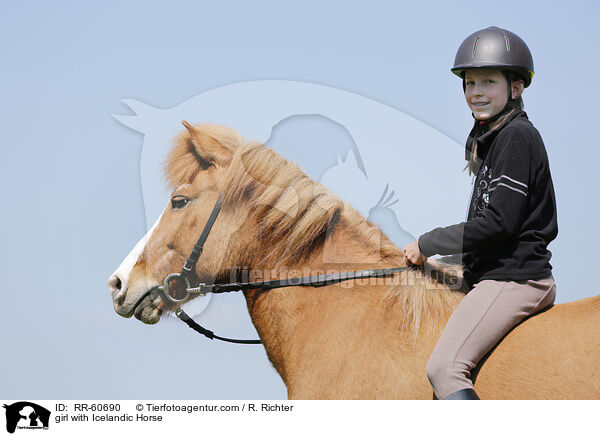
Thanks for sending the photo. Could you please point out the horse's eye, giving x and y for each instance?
(179, 202)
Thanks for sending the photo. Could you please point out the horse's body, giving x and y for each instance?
(358, 339)
(350, 343)
(348, 348)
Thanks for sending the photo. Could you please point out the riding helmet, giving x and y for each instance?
(494, 48)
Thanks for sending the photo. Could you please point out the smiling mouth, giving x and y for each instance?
(480, 104)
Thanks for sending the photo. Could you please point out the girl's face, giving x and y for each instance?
(486, 91)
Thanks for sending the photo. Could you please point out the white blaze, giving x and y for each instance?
(126, 266)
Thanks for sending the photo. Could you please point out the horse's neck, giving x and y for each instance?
(301, 326)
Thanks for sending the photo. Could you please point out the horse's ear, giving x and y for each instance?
(208, 147)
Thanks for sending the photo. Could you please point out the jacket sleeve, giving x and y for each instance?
(508, 202)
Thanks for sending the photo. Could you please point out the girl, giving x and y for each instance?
(511, 218)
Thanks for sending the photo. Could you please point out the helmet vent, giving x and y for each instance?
(507, 41)
(475, 45)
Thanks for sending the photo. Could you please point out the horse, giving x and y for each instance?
(360, 339)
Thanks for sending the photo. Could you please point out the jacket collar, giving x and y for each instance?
(485, 137)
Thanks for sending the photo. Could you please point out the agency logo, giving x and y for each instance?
(26, 415)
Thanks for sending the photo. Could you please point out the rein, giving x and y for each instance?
(182, 281)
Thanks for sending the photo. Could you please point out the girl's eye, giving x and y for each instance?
(179, 202)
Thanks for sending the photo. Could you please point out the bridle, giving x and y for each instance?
(178, 286)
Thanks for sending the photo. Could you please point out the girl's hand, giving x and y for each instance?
(413, 253)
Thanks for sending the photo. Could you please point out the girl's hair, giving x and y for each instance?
(511, 106)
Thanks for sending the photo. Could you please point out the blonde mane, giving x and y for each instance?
(294, 214)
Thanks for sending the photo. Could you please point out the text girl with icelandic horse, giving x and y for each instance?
(511, 218)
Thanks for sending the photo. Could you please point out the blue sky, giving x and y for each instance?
(70, 173)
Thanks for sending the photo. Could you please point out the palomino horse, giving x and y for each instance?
(359, 339)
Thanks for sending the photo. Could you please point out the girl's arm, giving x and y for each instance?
(508, 205)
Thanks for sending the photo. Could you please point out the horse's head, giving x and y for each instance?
(195, 170)
(272, 215)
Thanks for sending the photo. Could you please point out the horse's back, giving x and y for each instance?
(552, 355)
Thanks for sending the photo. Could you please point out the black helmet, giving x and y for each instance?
(494, 48)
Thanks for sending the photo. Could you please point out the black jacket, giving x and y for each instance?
(512, 213)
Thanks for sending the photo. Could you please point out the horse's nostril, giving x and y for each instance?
(114, 284)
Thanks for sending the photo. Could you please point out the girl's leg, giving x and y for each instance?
(482, 318)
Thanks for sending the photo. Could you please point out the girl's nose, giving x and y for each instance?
(476, 90)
